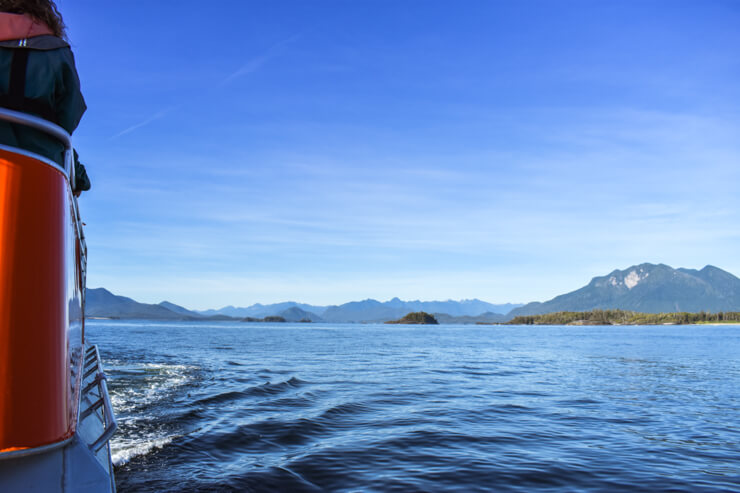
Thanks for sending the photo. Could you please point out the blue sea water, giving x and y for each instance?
(311, 407)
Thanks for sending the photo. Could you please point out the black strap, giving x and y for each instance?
(17, 87)
(16, 98)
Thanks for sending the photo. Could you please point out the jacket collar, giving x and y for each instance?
(42, 43)
(21, 26)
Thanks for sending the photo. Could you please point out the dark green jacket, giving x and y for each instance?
(51, 78)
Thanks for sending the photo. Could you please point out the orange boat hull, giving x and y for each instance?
(41, 319)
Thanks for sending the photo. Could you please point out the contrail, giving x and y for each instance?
(254, 64)
(149, 120)
(248, 68)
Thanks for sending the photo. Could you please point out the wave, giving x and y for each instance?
(265, 389)
(123, 451)
(139, 394)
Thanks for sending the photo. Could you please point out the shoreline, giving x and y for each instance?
(716, 323)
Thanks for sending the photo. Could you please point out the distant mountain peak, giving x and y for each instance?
(179, 309)
(630, 280)
(649, 288)
(713, 269)
(99, 302)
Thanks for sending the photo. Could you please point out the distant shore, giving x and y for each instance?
(624, 317)
(716, 323)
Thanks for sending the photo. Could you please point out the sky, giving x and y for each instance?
(249, 151)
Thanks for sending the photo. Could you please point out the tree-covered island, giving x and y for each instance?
(271, 319)
(416, 318)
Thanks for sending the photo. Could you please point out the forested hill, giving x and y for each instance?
(100, 302)
(649, 288)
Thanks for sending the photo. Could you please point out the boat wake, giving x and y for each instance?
(140, 393)
(124, 450)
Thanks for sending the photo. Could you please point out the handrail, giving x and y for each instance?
(100, 381)
(51, 129)
(37, 123)
(112, 425)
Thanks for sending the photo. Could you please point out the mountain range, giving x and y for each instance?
(647, 288)
(368, 310)
(259, 310)
(102, 303)
(375, 311)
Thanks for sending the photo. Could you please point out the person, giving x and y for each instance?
(38, 76)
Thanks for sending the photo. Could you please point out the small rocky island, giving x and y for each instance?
(416, 318)
(272, 319)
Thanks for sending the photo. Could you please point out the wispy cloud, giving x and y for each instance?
(157, 116)
(256, 63)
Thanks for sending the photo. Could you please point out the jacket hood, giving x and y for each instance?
(21, 26)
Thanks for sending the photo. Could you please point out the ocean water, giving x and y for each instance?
(311, 407)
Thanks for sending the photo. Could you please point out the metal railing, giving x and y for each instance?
(51, 129)
(92, 366)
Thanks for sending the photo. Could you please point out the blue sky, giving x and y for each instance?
(328, 151)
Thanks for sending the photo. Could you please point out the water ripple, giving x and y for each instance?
(368, 408)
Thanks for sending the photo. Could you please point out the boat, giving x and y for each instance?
(56, 417)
